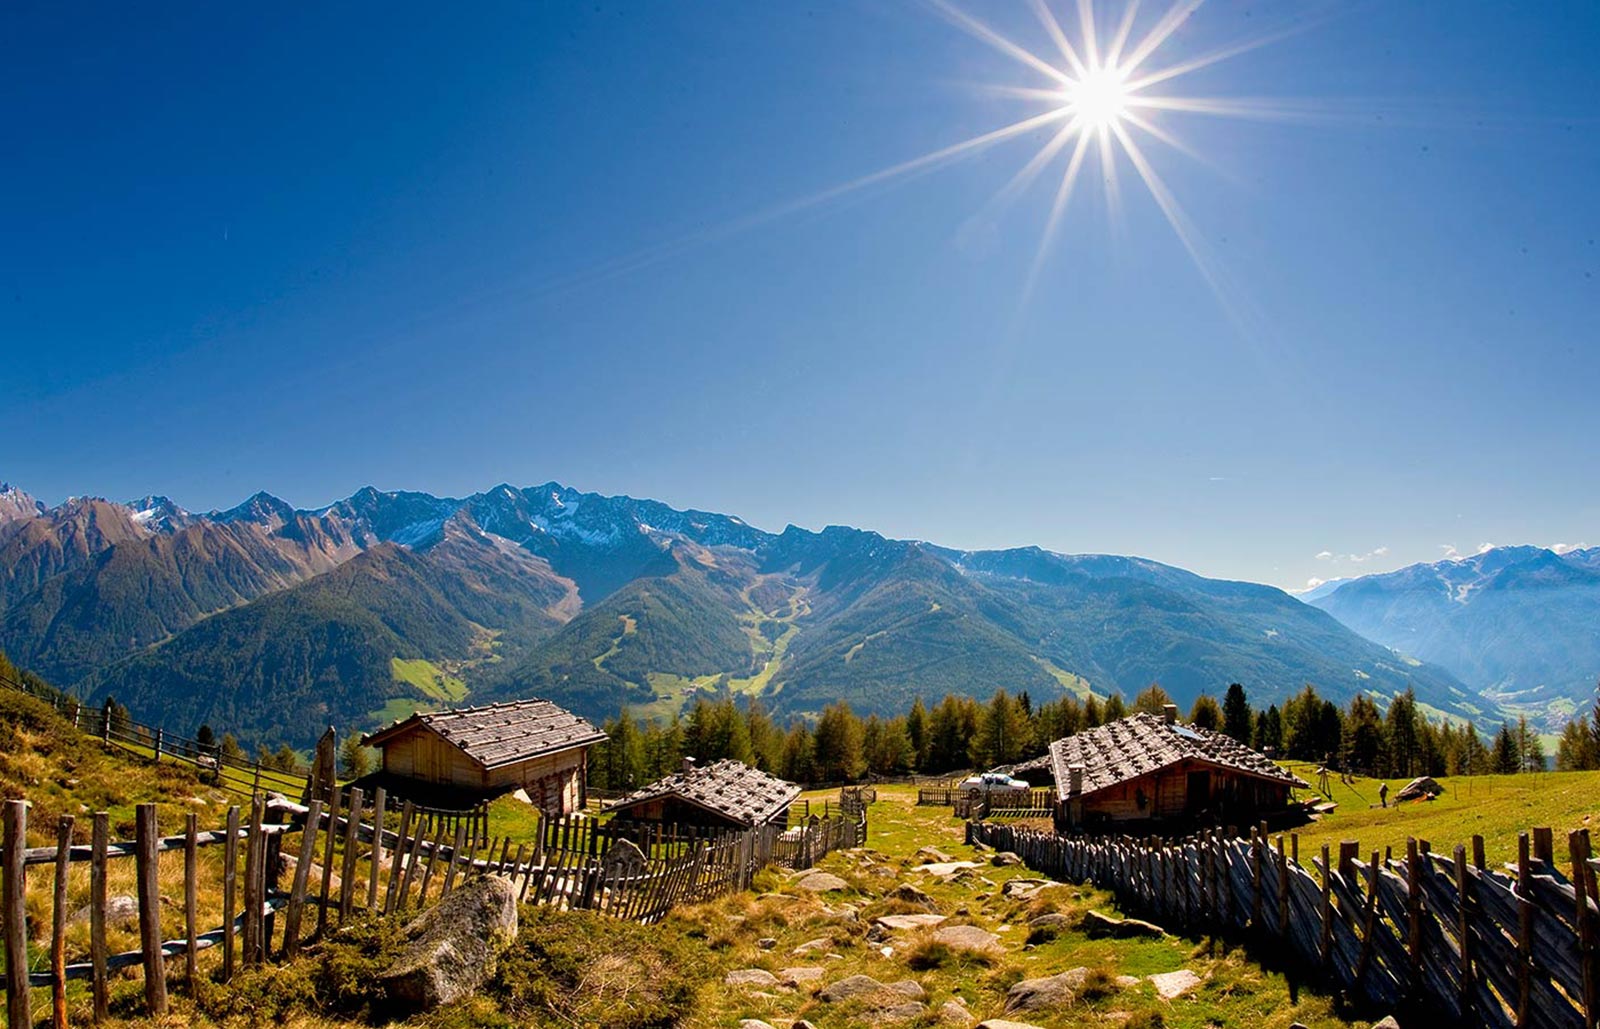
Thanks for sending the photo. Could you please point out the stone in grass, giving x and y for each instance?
(750, 977)
(766, 943)
(807, 947)
(1172, 985)
(799, 975)
(755, 1023)
(822, 882)
(1050, 992)
(1004, 1023)
(927, 854)
(955, 1012)
(1096, 924)
(967, 937)
(1051, 920)
(911, 895)
(453, 946)
(896, 1013)
(865, 985)
(1387, 1023)
(1024, 888)
(1005, 859)
(908, 921)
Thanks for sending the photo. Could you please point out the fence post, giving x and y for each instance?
(1524, 887)
(302, 874)
(347, 871)
(1578, 851)
(1325, 950)
(105, 724)
(19, 1007)
(380, 801)
(100, 841)
(146, 838)
(159, 733)
(191, 894)
(1414, 911)
(230, 876)
(1464, 926)
(58, 925)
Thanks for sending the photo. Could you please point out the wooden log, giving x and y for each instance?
(407, 811)
(252, 887)
(1369, 921)
(413, 857)
(99, 838)
(1255, 878)
(1583, 921)
(1477, 852)
(302, 875)
(13, 898)
(58, 925)
(433, 861)
(455, 853)
(1283, 891)
(1544, 850)
(191, 895)
(324, 897)
(1524, 932)
(1413, 909)
(1325, 947)
(230, 875)
(380, 802)
(352, 850)
(149, 896)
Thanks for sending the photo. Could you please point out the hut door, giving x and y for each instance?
(1197, 792)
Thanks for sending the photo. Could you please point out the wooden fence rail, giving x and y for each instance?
(382, 872)
(1444, 934)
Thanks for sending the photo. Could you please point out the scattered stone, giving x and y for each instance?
(1005, 859)
(755, 1023)
(453, 946)
(944, 868)
(1420, 788)
(766, 943)
(852, 986)
(897, 1013)
(1130, 981)
(954, 1011)
(909, 988)
(807, 947)
(1096, 924)
(1298, 1025)
(1003, 1023)
(822, 882)
(927, 854)
(1052, 991)
(967, 937)
(911, 895)
(750, 977)
(1053, 920)
(122, 912)
(799, 976)
(880, 872)
(1387, 1023)
(802, 1024)
(1172, 985)
(1024, 888)
(907, 921)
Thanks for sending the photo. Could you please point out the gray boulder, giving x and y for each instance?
(822, 882)
(1051, 992)
(1096, 924)
(453, 946)
(967, 937)
(750, 977)
(852, 986)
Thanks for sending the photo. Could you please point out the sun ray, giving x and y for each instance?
(1058, 207)
(980, 31)
(1053, 27)
(1114, 51)
(1166, 26)
(1157, 132)
(1213, 57)
(1228, 107)
(1175, 215)
(1091, 44)
(1030, 171)
(1108, 173)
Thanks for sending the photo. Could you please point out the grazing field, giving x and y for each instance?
(1497, 807)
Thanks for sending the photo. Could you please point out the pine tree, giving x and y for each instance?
(353, 757)
(917, 731)
(797, 754)
(837, 744)
(1115, 708)
(1152, 700)
(1269, 731)
(1363, 742)
(1506, 759)
(231, 752)
(1002, 733)
(1236, 718)
(1575, 752)
(1530, 749)
(1400, 734)
(1206, 714)
(1093, 712)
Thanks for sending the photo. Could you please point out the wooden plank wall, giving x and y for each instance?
(1513, 947)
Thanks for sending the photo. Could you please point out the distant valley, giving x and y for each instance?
(275, 622)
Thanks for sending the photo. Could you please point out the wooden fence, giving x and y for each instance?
(1446, 935)
(345, 859)
(1034, 803)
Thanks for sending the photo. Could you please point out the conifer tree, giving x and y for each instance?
(1236, 718)
(1206, 714)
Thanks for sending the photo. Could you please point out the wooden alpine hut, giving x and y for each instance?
(463, 757)
(722, 795)
(1153, 768)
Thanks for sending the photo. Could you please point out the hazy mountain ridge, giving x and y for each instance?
(602, 601)
(1520, 624)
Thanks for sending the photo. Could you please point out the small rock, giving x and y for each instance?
(802, 1024)
(1096, 924)
(852, 986)
(750, 977)
(911, 895)
(799, 976)
(967, 937)
(1172, 985)
(954, 1011)
(927, 854)
(822, 882)
(454, 945)
(909, 988)
(1005, 859)
(766, 943)
(1024, 888)
(1003, 1023)
(1052, 991)
(944, 868)
(1130, 981)
(810, 945)
(907, 921)
(1387, 1023)
(755, 1023)
(1053, 920)
(122, 912)
(897, 1013)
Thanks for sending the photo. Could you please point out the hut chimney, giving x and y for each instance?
(1169, 713)
(688, 765)
(1074, 780)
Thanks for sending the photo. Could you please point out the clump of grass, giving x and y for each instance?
(929, 954)
(1097, 984)
(1147, 1019)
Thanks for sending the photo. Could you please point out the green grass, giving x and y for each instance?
(1076, 685)
(428, 679)
(1497, 807)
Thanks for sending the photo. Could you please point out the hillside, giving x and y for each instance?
(1519, 624)
(272, 620)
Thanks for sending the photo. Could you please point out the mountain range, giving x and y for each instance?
(275, 622)
(1519, 624)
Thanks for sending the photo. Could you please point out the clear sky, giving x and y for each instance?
(305, 248)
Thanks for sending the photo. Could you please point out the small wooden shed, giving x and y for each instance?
(1150, 768)
(723, 795)
(472, 754)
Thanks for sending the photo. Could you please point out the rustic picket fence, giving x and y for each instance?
(381, 872)
(1447, 935)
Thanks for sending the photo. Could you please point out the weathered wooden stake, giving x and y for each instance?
(1524, 891)
(191, 895)
(146, 838)
(100, 840)
(58, 925)
(13, 897)
(347, 871)
(1464, 926)
(1578, 851)
(380, 801)
(302, 874)
(230, 891)
(324, 899)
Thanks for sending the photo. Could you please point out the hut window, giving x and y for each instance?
(1141, 799)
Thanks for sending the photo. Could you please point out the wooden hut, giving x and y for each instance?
(460, 758)
(722, 795)
(1150, 768)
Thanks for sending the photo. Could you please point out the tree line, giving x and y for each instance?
(960, 733)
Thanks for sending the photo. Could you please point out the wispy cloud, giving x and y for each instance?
(1313, 582)
(1356, 559)
(1566, 548)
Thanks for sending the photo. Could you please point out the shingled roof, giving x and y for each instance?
(728, 788)
(500, 734)
(1143, 743)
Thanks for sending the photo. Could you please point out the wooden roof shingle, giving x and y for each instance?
(1143, 743)
(500, 734)
(728, 788)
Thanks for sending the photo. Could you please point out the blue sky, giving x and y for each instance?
(310, 248)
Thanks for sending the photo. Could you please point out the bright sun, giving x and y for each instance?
(1099, 98)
